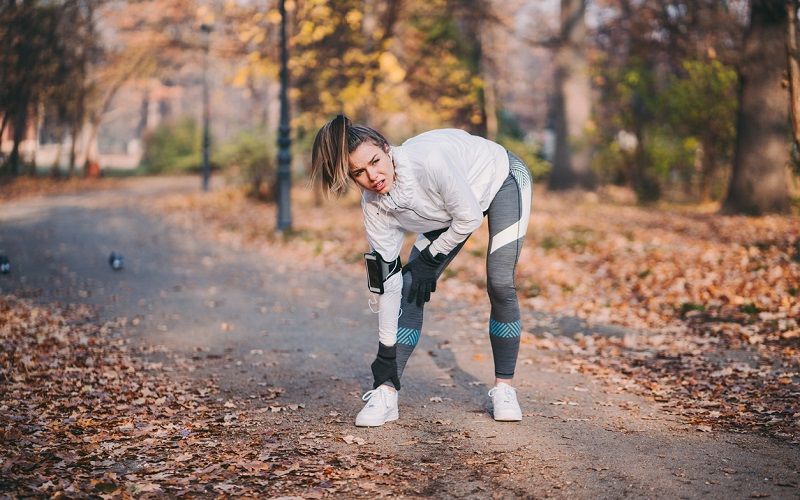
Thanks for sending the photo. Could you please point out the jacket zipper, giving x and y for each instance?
(418, 214)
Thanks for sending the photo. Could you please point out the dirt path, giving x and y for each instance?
(251, 322)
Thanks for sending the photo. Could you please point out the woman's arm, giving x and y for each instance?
(385, 236)
(459, 201)
(389, 309)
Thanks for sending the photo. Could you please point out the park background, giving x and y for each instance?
(662, 260)
(680, 101)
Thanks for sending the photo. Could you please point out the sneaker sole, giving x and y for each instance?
(508, 419)
(391, 418)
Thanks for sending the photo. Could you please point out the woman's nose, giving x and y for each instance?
(372, 171)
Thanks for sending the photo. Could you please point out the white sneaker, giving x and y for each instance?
(381, 407)
(504, 403)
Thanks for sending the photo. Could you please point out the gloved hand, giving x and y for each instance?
(385, 366)
(423, 275)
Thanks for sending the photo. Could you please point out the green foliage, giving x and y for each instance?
(512, 137)
(529, 153)
(173, 147)
(700, 105)
(702, 102)
(749, 308)
(686, 128)
(609, 161)
(549, 243)
(688, 307)
(671, 159)
(251, 155)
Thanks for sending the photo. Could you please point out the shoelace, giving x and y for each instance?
(507, 392)
(373, 397)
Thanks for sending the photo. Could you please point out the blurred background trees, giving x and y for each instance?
(678, 100)
(758, 183)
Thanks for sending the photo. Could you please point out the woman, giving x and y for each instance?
(438, 185)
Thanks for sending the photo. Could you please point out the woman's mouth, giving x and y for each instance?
(379, 185)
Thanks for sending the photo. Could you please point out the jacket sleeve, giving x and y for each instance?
(384, 234)
(459, 201)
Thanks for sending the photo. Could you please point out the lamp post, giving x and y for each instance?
(206, 29)
(284, 140)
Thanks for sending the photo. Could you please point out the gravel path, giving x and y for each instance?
(250, 321)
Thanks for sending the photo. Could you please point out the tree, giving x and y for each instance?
(338, 64)
(572, 103)
(758, 182)
(793, 62)
(661, 63)
(80, 36)
(29, 59)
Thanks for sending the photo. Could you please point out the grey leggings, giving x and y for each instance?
(508, 220)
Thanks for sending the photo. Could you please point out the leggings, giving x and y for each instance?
(508, 216)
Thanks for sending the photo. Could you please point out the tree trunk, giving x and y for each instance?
(572, 106)
(144, 113)
(73, 143)
(708, 172)
(3, 127)
(34, 128)
(92, 153)
(20, 119)
(55, 169)
(489, 100)
(758, 182)
(647, 187)
(793, 60)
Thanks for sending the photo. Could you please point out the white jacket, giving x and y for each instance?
(443, 179)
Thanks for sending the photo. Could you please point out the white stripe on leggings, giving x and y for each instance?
(517, 230)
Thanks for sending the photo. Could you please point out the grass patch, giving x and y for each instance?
(749, 309)
(688, 307)
(549, 243)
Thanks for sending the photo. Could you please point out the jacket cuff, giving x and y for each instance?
(388, 352)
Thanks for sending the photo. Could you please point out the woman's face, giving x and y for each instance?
(372, 168)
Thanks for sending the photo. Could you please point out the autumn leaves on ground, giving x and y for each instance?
(80, 408)
(707, 307)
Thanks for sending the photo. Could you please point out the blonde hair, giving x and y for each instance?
(330, 155)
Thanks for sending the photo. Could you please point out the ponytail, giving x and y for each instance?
(330, 154)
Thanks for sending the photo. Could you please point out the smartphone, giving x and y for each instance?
(374, 274)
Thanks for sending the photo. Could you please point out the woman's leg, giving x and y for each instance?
(409, 325)
(508, 221)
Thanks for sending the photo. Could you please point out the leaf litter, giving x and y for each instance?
(84, 413)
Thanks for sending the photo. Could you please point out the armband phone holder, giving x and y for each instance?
(378, 271)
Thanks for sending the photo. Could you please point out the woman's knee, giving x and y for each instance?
(501, 289)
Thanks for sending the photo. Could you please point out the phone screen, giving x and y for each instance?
(374, 273)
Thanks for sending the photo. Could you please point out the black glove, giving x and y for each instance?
(385, 366)
(423, 275)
